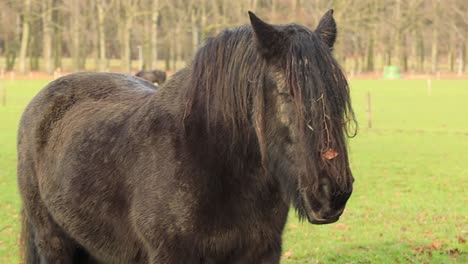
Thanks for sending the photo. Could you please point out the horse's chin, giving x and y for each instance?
(315, 220)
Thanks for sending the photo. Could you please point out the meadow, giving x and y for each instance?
(409, 203)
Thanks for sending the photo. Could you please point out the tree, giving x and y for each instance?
(47, 29)
(102, 6)
(24, 35)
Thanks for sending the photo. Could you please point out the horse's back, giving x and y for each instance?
(94, 86)
(91, 106)
(76, 91)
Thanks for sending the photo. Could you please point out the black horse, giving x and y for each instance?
(154, 76)
(114, 171)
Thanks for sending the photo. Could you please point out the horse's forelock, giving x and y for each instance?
(321, 94)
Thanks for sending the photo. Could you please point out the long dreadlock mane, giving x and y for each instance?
(325, 116)
(227, 73)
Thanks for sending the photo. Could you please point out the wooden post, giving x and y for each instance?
(140, 57)
(3, 92)
(369, 111)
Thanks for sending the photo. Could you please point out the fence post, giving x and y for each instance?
(369, 111)
(140, 57)
(3, 92)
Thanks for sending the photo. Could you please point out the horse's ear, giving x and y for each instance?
(270, 41)
(327, 28)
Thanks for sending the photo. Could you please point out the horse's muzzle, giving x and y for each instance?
(316, 219)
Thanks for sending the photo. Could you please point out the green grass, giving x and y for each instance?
(409, 203)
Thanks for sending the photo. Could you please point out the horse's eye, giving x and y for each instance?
(286, 96)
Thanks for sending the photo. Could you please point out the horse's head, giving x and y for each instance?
(305, 109)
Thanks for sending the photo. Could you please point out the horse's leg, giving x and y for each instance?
(261, 255)
(43, 238)
(53, 245)
(270, 256)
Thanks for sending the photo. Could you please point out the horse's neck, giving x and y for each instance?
(173, 90)
(217, 151)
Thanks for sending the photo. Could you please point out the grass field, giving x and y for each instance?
(410, 199)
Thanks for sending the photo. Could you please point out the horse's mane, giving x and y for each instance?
(226, 74)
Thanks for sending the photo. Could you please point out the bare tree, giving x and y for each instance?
(24, 35)
(128, 11)
(47, 35)
(416, 35)
(102, 6)
(435, 35)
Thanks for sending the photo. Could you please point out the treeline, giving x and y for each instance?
(425, 36)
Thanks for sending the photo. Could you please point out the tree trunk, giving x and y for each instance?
(47, 35)
(95, 39)
(216, 14)
(10, 54)
(146, 44)
(167, 58)
(154, 34)
(172, 57)
(178, 48)
(403, 56)
(399, 39)
(293, 13)
(34, 47)
(370, 54)
(253, 5)
(75, 35)
(273, 11)
(126, 45)
(462, 58)
(435, 37)
(24, 36)
(126, 61)
(434, 50)
(58, 19)
(421, 53)
(195, 30)
(388, 56)
(451, 53)
(203, 21)
(128, 11)
(102, 35)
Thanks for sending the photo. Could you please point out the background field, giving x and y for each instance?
(410, 200)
